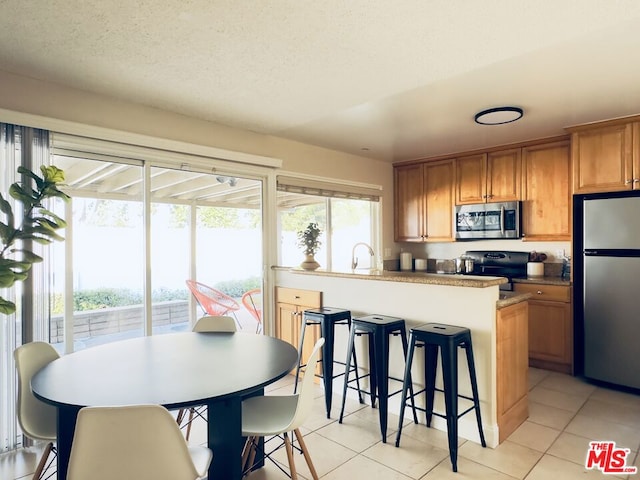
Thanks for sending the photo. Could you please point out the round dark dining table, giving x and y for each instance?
(175, 370)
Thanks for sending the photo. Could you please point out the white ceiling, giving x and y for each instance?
(400, 79)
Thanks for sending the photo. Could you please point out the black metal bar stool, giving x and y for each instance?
(327, 318)
(378, 328)
(447, 338)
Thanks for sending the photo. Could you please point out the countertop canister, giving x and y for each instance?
(406, 261)
(535, 269)
(421, 264)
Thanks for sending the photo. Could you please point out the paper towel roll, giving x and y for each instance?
(406, 261)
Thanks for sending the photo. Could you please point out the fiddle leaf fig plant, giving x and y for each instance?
(38, 225)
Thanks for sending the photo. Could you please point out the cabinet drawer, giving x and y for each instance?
(295, 296)
(554, 293)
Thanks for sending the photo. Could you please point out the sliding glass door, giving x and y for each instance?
(137, 233)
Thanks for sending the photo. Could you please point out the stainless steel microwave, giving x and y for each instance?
(487, 220)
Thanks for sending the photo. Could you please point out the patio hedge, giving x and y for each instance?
(120, 297)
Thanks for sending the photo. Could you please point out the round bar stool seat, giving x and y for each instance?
(447, 339)
(327, 318)
(379, 329)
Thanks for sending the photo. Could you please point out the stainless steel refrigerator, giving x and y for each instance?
(607, 283)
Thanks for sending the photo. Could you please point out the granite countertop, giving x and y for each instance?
(473, 281)
(511, 298)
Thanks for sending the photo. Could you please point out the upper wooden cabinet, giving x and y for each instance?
(488, 177)
(424, 201)
(546, 192)
(605, 158)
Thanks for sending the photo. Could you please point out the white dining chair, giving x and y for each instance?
(210, 323)
(277, 415)
(37, 419)
(206, 324)
(133, 442)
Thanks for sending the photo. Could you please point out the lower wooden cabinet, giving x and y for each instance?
(550, 326)
(512, 367)
(290, 303)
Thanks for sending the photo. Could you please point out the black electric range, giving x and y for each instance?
(499, 263)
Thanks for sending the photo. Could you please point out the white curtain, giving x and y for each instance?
(30, 148)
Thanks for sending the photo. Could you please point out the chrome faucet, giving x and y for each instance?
(354, 259)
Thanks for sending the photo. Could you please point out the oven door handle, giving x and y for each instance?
(502, 220)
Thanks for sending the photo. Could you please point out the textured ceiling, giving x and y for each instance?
(399, 79)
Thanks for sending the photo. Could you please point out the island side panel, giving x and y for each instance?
(417, 303)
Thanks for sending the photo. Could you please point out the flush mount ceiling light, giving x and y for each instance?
(498, 115)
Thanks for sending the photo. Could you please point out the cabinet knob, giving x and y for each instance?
(627, 182)
(539, 292)
(636, 180)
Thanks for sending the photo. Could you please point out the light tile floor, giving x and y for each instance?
(565, 414)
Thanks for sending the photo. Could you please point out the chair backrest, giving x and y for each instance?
(127, 442)
(215, 324)
(252, 301)
(36, 418)
(212, 301)
(305, 396)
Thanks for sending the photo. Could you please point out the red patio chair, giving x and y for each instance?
(212, 301)
(252, 301)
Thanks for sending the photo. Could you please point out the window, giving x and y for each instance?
(346, 214)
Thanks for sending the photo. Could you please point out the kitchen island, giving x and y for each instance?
(462, 300)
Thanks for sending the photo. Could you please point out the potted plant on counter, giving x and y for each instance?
(309, 240)
(38, 225)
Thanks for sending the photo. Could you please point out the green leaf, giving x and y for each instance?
(29, 256)
(59, 220)
(17, 192)
(52, 173)
(14, 266)
(39, 181)
(38, 231)
(5, 207)
(7, 278)
(52, 191)
(5, 233)
(7, 307)
(21, 276)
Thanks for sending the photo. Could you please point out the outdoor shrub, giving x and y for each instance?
(235, 288)
(119, 297)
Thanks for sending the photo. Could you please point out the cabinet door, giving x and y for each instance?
(503, 175)
(438, 180)
(602, 159)
(550, 332)
(512, 366)
(471, 179)
(287, 323)
(546, 192)
(409, 203)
